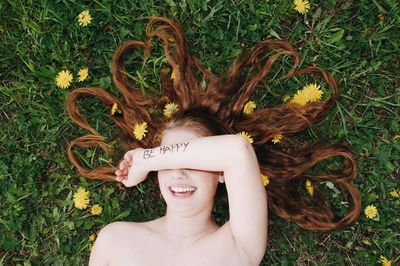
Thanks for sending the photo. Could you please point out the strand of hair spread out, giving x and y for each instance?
(225, 97)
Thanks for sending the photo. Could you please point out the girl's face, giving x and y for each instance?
(186, 190)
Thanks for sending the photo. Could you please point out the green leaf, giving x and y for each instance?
(88, 224)
(105, 82)
(10, 244)
(389, 166)
(273, 33)
(330, 185)
(171, 3)
(252, 27)
(235, 52)
(371, 197)
(122, 215)
(337, 36)
(46, 230)
(317, 14)
(123, 32)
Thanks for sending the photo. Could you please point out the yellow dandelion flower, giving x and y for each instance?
(384, 261)
(114, 108)
(81, 198)
(246, 135)
(84, 18)
(309, 93)
(301, 6)
(299, 98)
(371, 211)
(83, 74)
(394, 193)
(170, 109)
(140, 130)
(310, 187)
(164, 99)
(171, 39)
(312, 92)
(277, 138)
(397, 137)
(63, 79)
(90, 247)
(381, 16)
(265, 179)
(287, 97)
(92, 237)
(249, 107)
(173, 75)
(96, 209)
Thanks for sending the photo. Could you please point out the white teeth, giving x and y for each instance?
(181, 189)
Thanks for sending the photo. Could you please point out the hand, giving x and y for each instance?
(131, 169)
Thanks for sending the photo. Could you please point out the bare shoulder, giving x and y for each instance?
(116, 228)
(110, 238)
(122, 231)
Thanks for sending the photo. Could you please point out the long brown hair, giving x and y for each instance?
(223, 99)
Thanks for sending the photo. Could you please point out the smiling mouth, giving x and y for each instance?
(182, 191)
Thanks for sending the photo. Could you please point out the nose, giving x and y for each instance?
(178, 174)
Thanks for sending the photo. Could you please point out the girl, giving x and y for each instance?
(191, 160)
(195, 146)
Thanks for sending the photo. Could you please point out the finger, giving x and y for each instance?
(124, 164)
(121, 172)
(120, 178)
(124, 172)
(128, 157)
(123, 175)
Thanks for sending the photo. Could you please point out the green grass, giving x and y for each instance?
(38, 222)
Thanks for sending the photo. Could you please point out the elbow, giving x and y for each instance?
(257, 256)
(253, 257)
(242, 147)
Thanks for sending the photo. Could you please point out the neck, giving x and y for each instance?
(186, 226)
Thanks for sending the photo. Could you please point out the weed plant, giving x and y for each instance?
(357, 41)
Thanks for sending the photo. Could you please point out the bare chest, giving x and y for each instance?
(217, 250)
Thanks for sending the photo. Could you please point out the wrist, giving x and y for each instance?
(146, 158)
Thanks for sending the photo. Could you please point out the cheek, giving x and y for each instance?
(162, 175)
(161, 179)
(208, 181)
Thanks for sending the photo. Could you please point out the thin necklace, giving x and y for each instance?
(175, 234)
(180, 236)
